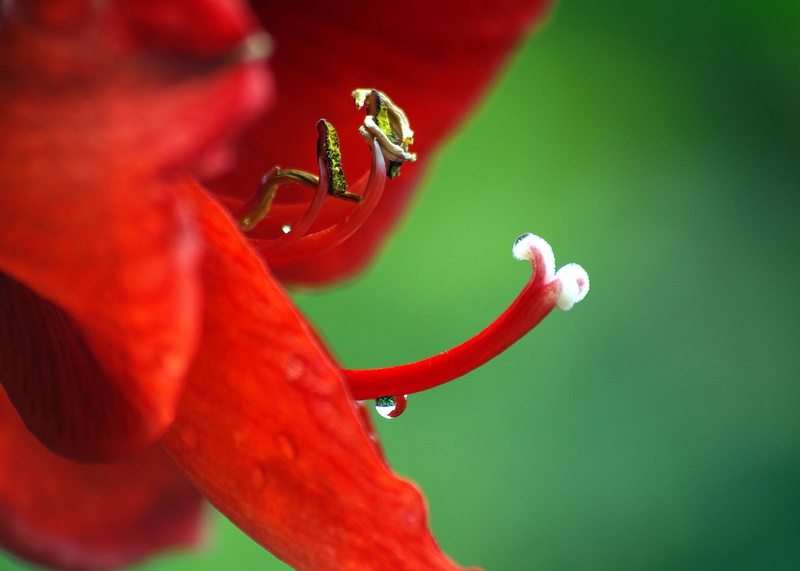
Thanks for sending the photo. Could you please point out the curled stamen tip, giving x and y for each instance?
(574, 286)
(529, 246)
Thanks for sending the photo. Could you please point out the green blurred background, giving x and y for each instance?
(657, 424)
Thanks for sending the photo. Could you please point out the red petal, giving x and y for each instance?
(93, 123)
(67, 515)
(434, 59)
(61, 389)
(205, 28)
(269, 434)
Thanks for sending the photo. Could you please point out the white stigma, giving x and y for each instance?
(574, 279)
(574, 286)
(527, 246)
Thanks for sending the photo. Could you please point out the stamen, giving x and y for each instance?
(331, 181)
(327, 239)
(545, 290)
(387, 123)
(379, 105)
(386, 131)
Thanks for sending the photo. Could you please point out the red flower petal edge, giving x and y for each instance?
(269, 434)
(67, 515)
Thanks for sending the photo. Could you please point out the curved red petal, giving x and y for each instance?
(434, 59)
(203, 28)
(67, 398)
(269, 434)
(67, 515)
(94, 121)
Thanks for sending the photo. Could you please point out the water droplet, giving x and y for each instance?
(286, 228)
(295, 368)
(521, 238)
(391, 407)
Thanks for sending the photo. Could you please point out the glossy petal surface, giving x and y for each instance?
(433, 59)
(67, 515)
(96, 113)
(269, 434)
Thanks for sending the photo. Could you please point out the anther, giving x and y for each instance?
(388, 124)
(330, 157)
(545, 290)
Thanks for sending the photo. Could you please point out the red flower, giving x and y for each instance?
(133, 310)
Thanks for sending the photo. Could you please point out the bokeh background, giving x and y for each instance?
(657, 424)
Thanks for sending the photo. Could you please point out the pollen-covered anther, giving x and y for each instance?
(545, 290)
(329, 156)
(387, 124)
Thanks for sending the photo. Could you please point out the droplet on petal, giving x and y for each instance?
(295, 368)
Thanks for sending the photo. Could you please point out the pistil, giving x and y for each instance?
(545, 290)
